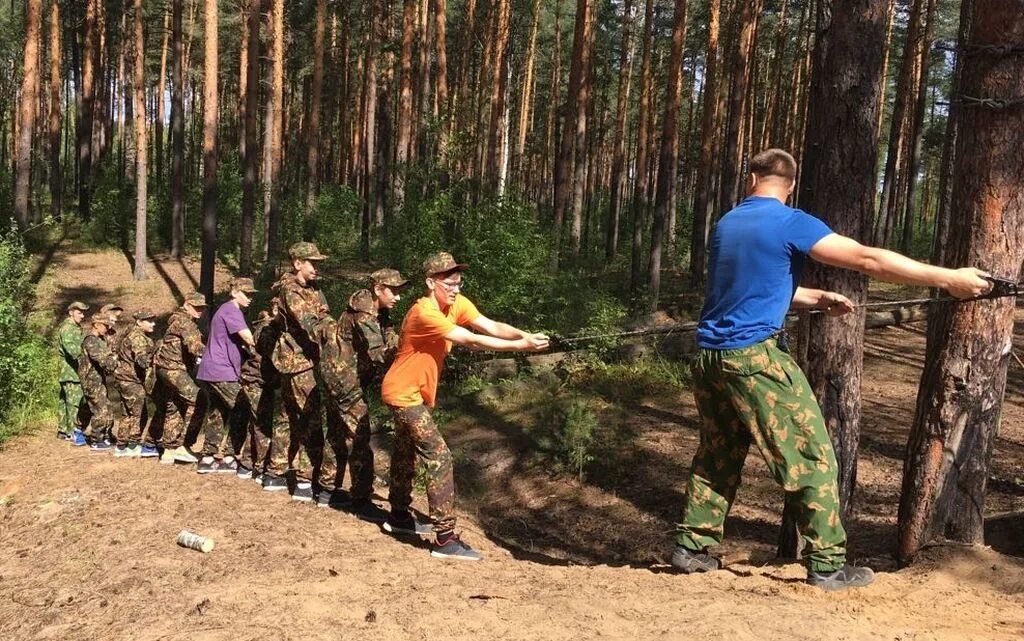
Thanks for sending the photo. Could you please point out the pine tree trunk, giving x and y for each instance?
(161, 113)
(885, 66)
(839, 187)
(404, 138)
(272, 147)
(56, 177)
(580, 146)
(553, 100)
(498, 84)
(141, 144)
(704, 199)
(526, 101)
(90, 41)
(313, 143)
(444, 108)
(210, 121)
(958, 405)
(250, 159)
(369, 132)
(668, 158)
(618, 175)
(177, 133)
(642, 169)
(27, 111)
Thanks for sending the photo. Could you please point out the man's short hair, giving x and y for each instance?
(774, 162)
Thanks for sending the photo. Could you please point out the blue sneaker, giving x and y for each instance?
(100, 446)
(149, 452)
(78, 438)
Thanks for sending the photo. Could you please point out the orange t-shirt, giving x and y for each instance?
(412, 378)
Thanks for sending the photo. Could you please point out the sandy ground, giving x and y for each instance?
(87, 542)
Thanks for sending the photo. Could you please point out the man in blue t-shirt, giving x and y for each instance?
(749, 390)
(219, 374)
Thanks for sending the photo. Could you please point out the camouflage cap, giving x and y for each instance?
(144, 314)
(109, 307)
(195, 299)
(389, 277)
(101, 319)
(305, 251)
(243, 285)
(79, 305)
(440, 263)
(361, 301)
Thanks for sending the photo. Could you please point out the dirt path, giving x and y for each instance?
(87, 545)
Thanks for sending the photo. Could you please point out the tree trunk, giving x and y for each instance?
(369, 132)
(161, 113)
(404, 138)
(27, 111)
(141, 144)
(272, 148)
(580, 147)
(668, 160)
(618, 175)
(313, 143)
(498, 82)
(90, 41)
(639, 208)
(553, 100)
(704, 198)
(444, 108)
(526, 103)
(177, 132)
(210, 121)
(885, 67)
(250, 168)
(732, 161)
(839, 186)
(56, 177)
(958, 406)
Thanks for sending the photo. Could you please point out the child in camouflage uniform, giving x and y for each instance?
(69, 348)
(135, 354)
(96, 364)
(175, 394)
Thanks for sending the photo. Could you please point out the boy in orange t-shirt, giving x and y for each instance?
(436, 322)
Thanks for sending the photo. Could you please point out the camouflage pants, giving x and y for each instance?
(758, 395)
(252, 441)
(101, 419)
(417, 437)
(347, 419)
(71, 398)
(221, 398)
(301, 399)
(175, 396)
(133, 421)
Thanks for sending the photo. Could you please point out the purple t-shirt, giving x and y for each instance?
(222, 358)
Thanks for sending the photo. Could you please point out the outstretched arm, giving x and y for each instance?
(831, 303)
(840, 251)
(522, 343)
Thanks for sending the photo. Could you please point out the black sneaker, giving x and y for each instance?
(404, 523)
(275, 484)
(63, 436)
(690, 562)
(226, 467)
(243, 472)
(451, 547)
(847, 576)
(101, 446)
(367, 510)
(206, 465)
(302, 492)
(336, 499)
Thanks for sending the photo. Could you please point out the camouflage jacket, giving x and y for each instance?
(96, 362)
(301, 309)
(257, 368)
(135, 353)
(181, 345)
(338, 364)
(69, 348)
(372, 336)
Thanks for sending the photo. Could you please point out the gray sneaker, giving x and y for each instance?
(303, 492)
(690, 562)
(845, 577)
(453, 548)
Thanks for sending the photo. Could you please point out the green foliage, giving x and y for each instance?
(28, 367)
(334, 222)
(563, 430)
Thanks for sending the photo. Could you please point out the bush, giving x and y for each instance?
(28, 366)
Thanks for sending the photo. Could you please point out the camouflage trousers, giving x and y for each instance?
(175, 396)
(758, 395)
(132, 423)
(417, 437)
(71, 398)
(101, 419)
(301, 399)
(252, 439)
(347, 419)
(221, 398)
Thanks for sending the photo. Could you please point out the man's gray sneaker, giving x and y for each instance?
(302, 492)
(847, 576)
(690, 562)
(452, 547)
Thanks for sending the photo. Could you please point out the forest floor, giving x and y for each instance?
(87, 543)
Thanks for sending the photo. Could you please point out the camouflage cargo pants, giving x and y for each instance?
(131, 424)
(417, 437)
(221, 398)
(71, 398)
(175, 395)
(254, 414)
(301, 400)
(101, 419)
(347, 419)
(758, 395)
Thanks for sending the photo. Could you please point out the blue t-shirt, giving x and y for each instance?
(756, 255)
(222, 358)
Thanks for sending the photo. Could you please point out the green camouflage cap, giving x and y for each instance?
(144, 314)
(101, 319)
(79, 305)
(389, 277)
(243, 285)
(195, 299)
(109, 307)
(440, 263)
(305, 251)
